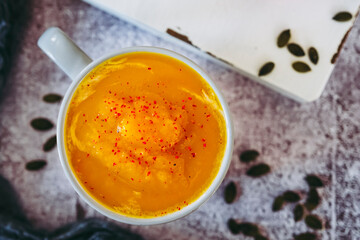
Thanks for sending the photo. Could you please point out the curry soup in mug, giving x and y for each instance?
(144, 134)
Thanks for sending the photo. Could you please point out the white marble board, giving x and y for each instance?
(244, 34)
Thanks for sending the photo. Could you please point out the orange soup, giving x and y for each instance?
(144, 134)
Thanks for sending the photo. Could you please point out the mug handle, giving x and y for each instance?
(63, 51)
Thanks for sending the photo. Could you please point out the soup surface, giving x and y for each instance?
(144, 134)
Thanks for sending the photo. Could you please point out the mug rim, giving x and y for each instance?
(210, 190)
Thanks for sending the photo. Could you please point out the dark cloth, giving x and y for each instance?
(14, 225)
(13, 18)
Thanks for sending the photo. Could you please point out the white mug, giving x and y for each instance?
(76, 64)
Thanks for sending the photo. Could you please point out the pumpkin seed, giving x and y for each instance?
(342, 16)
(296, 50)
(306, 236)
(258, 170)
(334, 58)
(283, 38)
(35, 165)
(278, 203)
(291, 196)
(266, 69)
(301, 67)
(41, 124)
(233, 226)
(52, 98)
(230, 192)
(314, 181)
(49, 144)
(298, 212)
(313, 55)
(249, 156)
(313, 199)
(313, 221)
(260, 237)
(248, 229)
(179, 36)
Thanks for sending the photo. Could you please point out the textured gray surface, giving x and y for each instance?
(322, 137)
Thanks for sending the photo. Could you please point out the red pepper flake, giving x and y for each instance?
(208, 115)
(203, 139)
(201, 126)
(114, 164)
(189, 148)
(154, 158)
(194, 105)
(204, 144)
(132, 179)
(154, 102)
(161, 140)
(110, 92)
(84, 115)
(85, 120)
(144, 142)
(193, 154)
(148, 173)
(175, 128)
(88, 155)
(176, 157)
(183, 107)
(88, 85)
